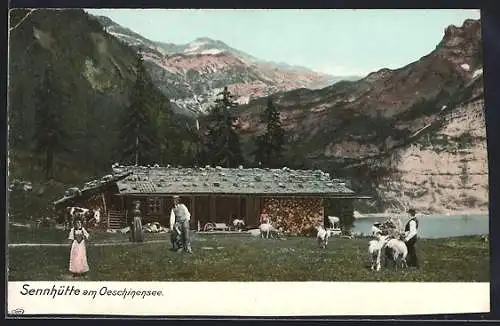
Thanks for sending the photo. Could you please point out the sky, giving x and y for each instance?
(338, 42)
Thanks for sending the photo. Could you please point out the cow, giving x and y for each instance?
(73, 212)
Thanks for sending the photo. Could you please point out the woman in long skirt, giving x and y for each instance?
(137, 234)
(78, 264)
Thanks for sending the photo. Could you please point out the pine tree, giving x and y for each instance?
(138, 127)
(270, 146)
(49, 133)
(222, 143)
(166, 135)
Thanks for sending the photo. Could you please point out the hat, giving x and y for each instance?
(411, 211)
(176, 196)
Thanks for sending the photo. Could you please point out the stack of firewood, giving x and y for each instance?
(296, 216)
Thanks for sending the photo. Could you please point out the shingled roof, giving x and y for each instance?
(218, 180)
(91, 187)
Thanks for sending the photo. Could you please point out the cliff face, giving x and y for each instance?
(446, 171)
(413, 136)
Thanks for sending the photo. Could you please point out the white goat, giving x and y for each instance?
(266, 230)
(238, 224)
(334, 221)
(375, 248)
(323, 235)
(376, 231)
(399, 251)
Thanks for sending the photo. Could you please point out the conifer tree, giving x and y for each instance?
(222, 143)
(138, 128)
(166, 135)
(49, 133)
(270, 146)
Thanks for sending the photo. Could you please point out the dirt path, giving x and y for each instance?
(14, 245)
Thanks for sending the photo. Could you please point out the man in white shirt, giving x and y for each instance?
(179, 223)
(411, 236)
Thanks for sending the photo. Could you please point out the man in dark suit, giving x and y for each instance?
(411, 236)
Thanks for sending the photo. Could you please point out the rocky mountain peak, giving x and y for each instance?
(192, 74)
(461, 46)
(208, 46)
(470, 31)
(205, 40)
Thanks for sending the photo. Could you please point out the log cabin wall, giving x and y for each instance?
(227, 209)
(342, 208)
(298, 216)
(333, 207)
(252, 206)
(223, 209)
(347, 211)
(201, 211)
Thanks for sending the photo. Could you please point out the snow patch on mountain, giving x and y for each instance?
(212, 51)
(193, 47)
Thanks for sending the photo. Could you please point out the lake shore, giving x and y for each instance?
(358, 215)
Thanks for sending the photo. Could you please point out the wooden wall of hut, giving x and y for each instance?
(218, 209)
(342, 208)
(252, 211)
(347, 211)
(332, 207)
(297, 215)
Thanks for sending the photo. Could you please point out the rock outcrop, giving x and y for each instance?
(413, 136)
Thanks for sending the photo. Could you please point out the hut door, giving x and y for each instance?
(242, 210)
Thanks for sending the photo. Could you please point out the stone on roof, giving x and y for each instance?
(203, 180)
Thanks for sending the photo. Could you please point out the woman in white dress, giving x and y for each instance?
(78, 264)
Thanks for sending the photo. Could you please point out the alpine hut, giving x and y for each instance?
(292, 199)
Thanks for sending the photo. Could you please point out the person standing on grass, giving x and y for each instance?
(411, 236)
(78, 256)
(179, 220)
(137, 234)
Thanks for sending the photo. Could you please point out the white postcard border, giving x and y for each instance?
(250, 299)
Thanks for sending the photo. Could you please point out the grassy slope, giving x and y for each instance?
(243, 258)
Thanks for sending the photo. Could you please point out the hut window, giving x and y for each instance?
(154, 205)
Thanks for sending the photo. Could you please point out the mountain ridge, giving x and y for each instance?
(408, 136)
(372, 129)
(194, 88)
